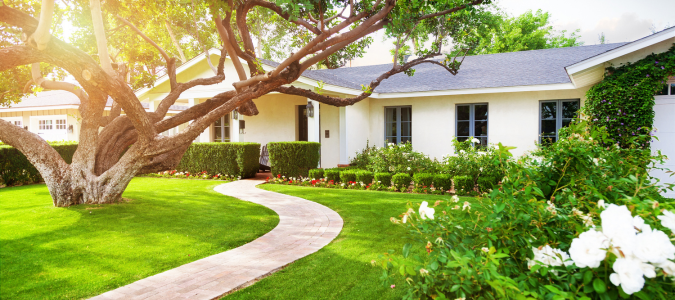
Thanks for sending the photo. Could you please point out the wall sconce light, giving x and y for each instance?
(70, 128)
(235, 115)
(25, 127)
(310, 110)
(242, 126)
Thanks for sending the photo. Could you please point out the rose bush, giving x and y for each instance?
(573, 220)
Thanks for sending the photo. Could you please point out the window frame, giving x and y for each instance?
(670, 88)
(472, 120)
(558, 116)
(223, 129)
(398, 122)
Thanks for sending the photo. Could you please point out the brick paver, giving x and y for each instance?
(304, 228)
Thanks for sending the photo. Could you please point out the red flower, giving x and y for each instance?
(278, 175)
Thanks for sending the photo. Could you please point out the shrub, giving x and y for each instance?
(16, 169)
(401, 181)
(348, 176)
(332, 175)
(236, 159)
(364, 176)
(293, 159)
(423, 179)
(383, 178)
(362, 159)
(395, 159)
(316, 174)
(443, 181)
(486, 183)
(463, 184)
(547, 205)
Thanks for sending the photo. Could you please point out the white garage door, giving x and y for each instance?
(664, 121)
(50, 128)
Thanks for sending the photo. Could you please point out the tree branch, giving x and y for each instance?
(175, 42)
(449, 11)
(277, 9)
(38, 80)
(41, 36)
(145, 37)
(99, 33)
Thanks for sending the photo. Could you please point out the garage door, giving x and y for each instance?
(664, 121)
(50, 128)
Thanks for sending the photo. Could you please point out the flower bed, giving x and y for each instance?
(187, 175)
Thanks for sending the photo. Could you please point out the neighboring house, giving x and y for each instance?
(510, 98)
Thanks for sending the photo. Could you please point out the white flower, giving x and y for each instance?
(426, 211)
(467, 205)
(462, 151)
(405, 218)
(628, 274)
(455, 198)
(601, 203)
(391, 144)
(588, 250)
(588, 220)
(639, 224)
(668, 220)
(617, 225)
(475, 140)
(408, 168)
(550, 257)
(654, 247)
(485, 249)
(595, 161)
(668, 267)
(550, 207)
(423, 272)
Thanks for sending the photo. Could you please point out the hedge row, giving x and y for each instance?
(236, 159)
(15, 167)
(293, 159)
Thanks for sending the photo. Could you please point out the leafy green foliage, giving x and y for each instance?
(348, 176)
(498, 33)
(484, 249)
(623, 101)
(234, 159)
(443, 181)
(401, 181)
(293, 159)
(383, 178)
(16, 169)
(364, 176)
(332, 175)
(423, 179)
(316, 173)
(463, 184)
(394, 159)
(487, 183)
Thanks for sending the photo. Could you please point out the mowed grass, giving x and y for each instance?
(342, 270)
(81, 251)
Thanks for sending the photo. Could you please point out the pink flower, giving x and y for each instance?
(393, 286)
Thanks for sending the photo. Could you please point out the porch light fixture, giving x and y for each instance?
(310, 110)
(70, 128)
(235, 115)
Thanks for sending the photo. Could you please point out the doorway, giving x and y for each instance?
(302, 123)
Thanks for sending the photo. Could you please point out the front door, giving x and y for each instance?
(302, 123)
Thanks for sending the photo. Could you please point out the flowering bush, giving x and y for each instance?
(574, 220)
(395, 159)
(188, 175)
(401, 181)
(470, 161)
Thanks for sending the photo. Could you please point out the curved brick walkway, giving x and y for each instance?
(304, 228)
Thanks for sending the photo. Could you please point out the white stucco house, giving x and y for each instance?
(512, 98)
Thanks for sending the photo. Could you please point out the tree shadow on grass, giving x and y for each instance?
(102, 247)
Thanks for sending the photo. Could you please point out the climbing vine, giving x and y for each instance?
(624, 100)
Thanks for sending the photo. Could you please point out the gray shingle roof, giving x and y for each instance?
(57, 98)
(521, 68)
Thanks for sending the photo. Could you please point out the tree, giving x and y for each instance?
(498, 33)
(116, 147)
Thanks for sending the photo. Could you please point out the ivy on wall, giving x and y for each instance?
(624, 100)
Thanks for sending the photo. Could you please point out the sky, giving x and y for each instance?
(619, 20)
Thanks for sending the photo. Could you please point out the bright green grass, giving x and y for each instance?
(81, 251)
(342, 270)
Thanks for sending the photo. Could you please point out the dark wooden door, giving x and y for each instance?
(302, 123)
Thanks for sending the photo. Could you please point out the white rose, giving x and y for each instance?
(426, 211)
(551, 257)
(654, 247)
(475, 140)
(405, 218)
(455, 198)
(601, 203)
(467, 205)
(628, 274)
(588, 250)
(668, 267)
(640, 225)
(668, 220)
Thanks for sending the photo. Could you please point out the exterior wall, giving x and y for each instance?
(30, 119)
(664, 110)
(277, 120)
(513, 119)
(358, 120)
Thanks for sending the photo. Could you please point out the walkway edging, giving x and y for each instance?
(304, 228)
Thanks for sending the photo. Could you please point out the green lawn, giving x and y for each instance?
(342, 270)
(85, 250)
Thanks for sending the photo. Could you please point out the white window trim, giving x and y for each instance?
(14, 119)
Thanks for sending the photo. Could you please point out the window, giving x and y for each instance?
(221, 129)
(398, 124)
(17, 123)
(668, 88)
(61, 124)
(45, 125)
(472, 121)
(553, 115)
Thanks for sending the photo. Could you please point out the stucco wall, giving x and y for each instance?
(276, 121)
(513, 119)
(330, 147)
(664, 110)
(71, 116)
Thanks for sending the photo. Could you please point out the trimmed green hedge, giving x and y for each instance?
(16, 169)
(332, 175)
(383, 178)
(316, 174)
(443, 181)
(486, 183)
(401, 181)
(364, 176)
(293, 159)
(423, 179)
(237, 159)
(348, 176)
(463, 184)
